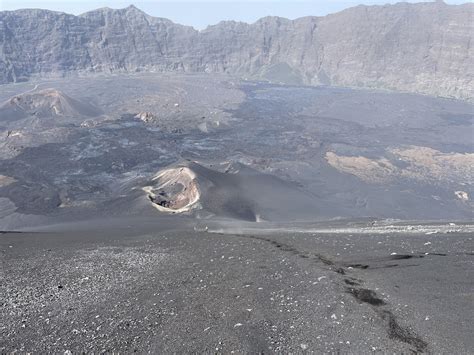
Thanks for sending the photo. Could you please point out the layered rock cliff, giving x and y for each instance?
(423, 47)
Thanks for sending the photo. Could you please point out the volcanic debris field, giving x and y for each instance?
(196, 213)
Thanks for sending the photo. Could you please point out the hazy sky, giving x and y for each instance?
(202, 13)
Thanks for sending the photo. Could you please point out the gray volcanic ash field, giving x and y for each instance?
(211, 146)
(196, 213)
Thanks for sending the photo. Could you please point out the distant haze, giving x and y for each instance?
(200, 14)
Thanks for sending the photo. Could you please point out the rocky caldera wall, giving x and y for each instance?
(423, 47)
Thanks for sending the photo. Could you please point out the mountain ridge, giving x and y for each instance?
(424, 47)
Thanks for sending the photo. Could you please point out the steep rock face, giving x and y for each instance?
(130, 39)
(422, 47)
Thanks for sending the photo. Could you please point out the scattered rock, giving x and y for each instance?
(462, 195)
(145, 116)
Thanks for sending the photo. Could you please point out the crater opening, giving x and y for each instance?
(174, 190)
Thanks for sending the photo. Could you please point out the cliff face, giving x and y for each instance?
(423, 47)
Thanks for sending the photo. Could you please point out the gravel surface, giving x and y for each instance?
(188, 291)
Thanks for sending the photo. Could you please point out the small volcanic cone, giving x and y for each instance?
(46, 103)
(239, 193)
(176, 190)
